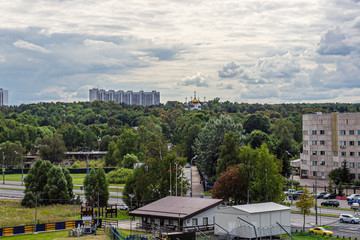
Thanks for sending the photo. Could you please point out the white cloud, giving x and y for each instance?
(29, 46)
(199, 80)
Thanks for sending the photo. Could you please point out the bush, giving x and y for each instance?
(119, 175)
(76, 164)
(28, 200)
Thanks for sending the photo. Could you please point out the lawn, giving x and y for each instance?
(58, 235)
(305, 236)
(13, 214)
(78, 179)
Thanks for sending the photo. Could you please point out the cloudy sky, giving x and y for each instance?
(247, 51)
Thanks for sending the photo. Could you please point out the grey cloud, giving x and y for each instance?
(332, 42)
(29, 46)
(230, 70)
(225, 86)
(199, 80)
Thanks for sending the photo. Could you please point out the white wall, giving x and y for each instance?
(208, 213)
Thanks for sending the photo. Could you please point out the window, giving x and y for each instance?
(343, 164)
(322, 152)
(351, 132)
(306, 152)
(313, 132)
(352, 165)
(351, 143)
(359, 143)
(352, 176)
(359, 167)
(314, 152)
(205, 221)
(358, 176)
(343, 154)
(322, 142)
(343, 132)
(358, 132)
(314, 174)
(322, 132)
(335, 153)
(305, 142)
(343, 143)
(314, 163)
(352, 154)
(314, 142)
(194, 222)
(304, 162)
(336, 164)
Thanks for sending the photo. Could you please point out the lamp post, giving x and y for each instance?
(191, 174)
(292, 178)
(322, 162)
(3, 165)
(22, 168)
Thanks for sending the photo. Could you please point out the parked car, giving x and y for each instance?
(355, 200)
(355, 206)
(329, 196)
(321, 231)
(124, 207)
(300, 192)
(348, 218)
(320, 194)
(352, 197)
(330, 203)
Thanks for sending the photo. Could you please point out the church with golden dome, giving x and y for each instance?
(194, 103)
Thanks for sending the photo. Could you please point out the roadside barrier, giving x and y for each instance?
(9, 231)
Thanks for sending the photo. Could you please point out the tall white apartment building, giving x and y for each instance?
(128, 97)
(328, 141)
(4, 100)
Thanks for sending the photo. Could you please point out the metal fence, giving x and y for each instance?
(115, 234)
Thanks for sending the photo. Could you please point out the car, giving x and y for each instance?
(355, 200)
(187, 165)
(355, 206)
(348, 218)
(320, 194)
(300, 192)
(321, 231)
(124, 207)
(329, 196)
(352, 196)
(330, 203)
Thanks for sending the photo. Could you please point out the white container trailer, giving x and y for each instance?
(252, 220)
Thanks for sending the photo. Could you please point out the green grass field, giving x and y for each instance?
(12, 214)
(78, 179)
(305, 236)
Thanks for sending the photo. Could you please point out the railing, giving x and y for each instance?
(150, 227)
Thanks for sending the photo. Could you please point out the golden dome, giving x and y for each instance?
(195, 101)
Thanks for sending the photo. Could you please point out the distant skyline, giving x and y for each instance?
(244, 51)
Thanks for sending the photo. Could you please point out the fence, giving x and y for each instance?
(114, 234)
(9, 231)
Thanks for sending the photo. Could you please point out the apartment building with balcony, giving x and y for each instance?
(328, 141)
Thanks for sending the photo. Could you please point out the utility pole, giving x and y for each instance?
(191, 174)
(36, 198)
(3, 167)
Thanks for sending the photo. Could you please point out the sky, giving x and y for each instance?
(241, 51)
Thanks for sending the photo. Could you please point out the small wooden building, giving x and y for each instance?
(177, 214)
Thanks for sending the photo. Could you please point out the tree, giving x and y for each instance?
(341, 174)
(257, 138)
(110, 158)
(129, 160)
(267, 185)
(231, 185)
(52, 148)
(128, 143)
(56, 187)
(229, 152)
(256, 122)
(13, 152)
(210, 139)
(48, 183)
(305, 202)
(96, 187)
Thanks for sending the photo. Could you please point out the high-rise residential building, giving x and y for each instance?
(330, 140)
(4, 100)
(128, 97)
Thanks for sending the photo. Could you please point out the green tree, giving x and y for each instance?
(13, 152)
(129, 160)
(210, 139)
(128, 143)
(56, 187)
(229, 152)
(52, 148)
(256, 122)
(96, 187)
(71, 135)
(341, 174)
(110, 157)
(257, 138)
(267, 181)
(305, 202)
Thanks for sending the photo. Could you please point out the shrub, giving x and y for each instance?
(76, 164)
(119, 175)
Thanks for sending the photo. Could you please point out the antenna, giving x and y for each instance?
(194, 94)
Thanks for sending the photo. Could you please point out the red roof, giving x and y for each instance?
(176, 207)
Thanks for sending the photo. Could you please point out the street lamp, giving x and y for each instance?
(191, 175)
(322, 162)
(292, 177)
(22, 168)
(3, 165)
